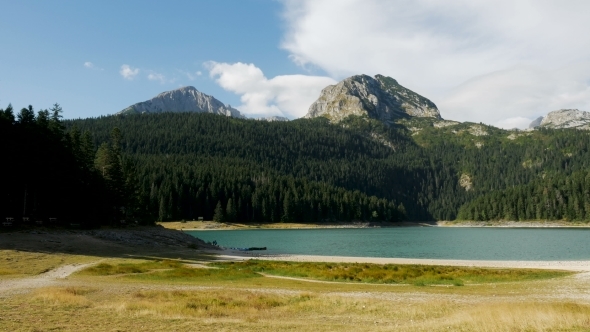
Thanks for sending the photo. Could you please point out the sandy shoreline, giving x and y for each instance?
(217, 226)
(578, 266)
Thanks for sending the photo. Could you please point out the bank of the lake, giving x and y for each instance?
(213, 225)
(515, 224)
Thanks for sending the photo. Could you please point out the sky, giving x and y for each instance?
(501, 62)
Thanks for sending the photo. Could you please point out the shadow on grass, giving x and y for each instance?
(144, 242)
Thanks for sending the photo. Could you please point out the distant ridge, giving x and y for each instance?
(536, 122)
(186, 99)
(565, 118)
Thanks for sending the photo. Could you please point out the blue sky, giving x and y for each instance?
(47, 43)
(502, 62)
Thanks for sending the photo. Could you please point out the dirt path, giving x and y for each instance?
(49, 278)
(325, 281)
(576, 266)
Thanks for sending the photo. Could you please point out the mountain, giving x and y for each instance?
(566, 118)
(189, 164)
(185, 99)
(536, 122)
(273, 118)
(381, 98)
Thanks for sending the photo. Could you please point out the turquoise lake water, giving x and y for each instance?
(415, 242)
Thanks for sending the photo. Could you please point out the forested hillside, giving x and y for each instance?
(553, 197)
(307, 169)
(190, 165)
(48, 173)
(538, 175)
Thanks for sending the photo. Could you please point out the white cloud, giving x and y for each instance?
(190, 75)
(520, 92)
(517, 122)
(92, 66)
(454, 52)
(153, 76)
(128, 72)
(286, 95)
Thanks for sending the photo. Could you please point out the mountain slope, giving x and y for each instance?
(431, 171)
(381, 98)
(185, 99)
(175, 150)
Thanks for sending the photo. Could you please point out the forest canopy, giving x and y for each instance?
(175, 166)
(188, 164)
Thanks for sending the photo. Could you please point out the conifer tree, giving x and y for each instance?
(230, 211)
(219, 215)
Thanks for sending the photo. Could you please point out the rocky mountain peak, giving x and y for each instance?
(564, 118)
(185, 99)
(381, 98)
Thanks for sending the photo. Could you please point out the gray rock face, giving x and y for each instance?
(536, 122)
(273, 118)
(380, 98)
(185, 99)
(567, 118)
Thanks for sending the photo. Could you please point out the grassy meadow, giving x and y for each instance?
(418, 275)
(123, 294)
(15, 263)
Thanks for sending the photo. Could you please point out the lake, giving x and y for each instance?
(543, 244)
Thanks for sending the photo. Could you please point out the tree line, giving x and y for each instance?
(53, 173)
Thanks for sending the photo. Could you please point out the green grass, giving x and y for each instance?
(104, 269)
(419, 275)
(168, 271)
(198, 274)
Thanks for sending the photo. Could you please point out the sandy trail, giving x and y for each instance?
(577, 266)
(49, 278)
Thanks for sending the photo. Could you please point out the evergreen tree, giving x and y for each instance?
(219, 215)
(231, 212)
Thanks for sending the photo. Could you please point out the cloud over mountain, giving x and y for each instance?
(285, 95)
(455, 52)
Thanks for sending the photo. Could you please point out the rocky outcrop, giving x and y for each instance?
(465, 182)
(273, 118)
(379, 98)
(478, 130)
(185, 99)
(536, 122)
(567, 118)
(445, 123)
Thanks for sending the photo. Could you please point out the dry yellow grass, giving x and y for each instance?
(100, 309)
(119, 302)
(522, 317)
(237, 304)
(68, 297)
(22, 263)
